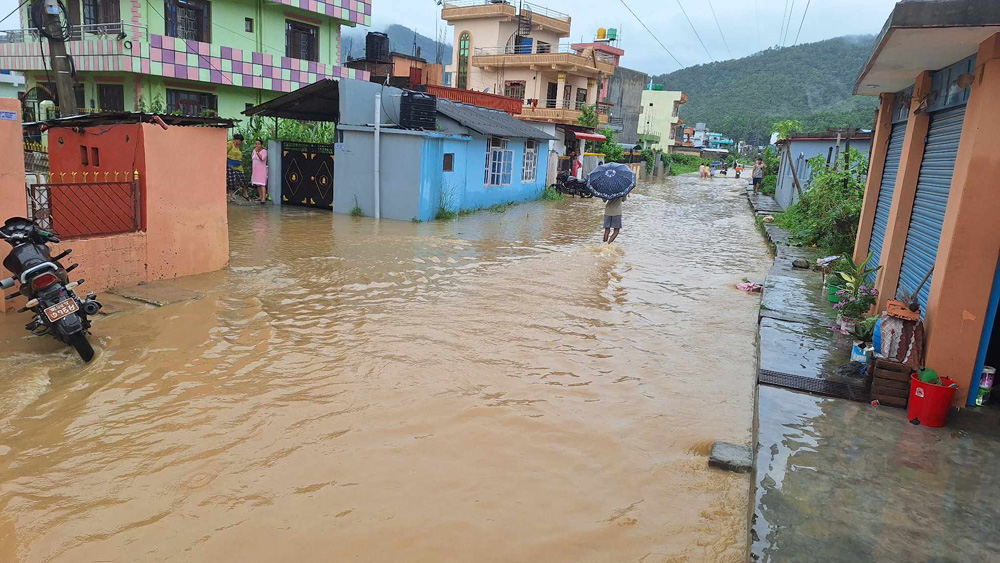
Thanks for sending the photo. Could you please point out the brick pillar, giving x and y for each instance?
(902, 198)
(970, 240)
(880, 146)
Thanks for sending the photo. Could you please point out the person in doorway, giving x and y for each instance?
(613, 218)
(576, 164)
(259, 176)
(758, 175)
(236, 180)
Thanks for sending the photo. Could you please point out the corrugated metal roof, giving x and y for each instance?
(490, 121)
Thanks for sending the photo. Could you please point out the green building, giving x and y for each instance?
(187, 56)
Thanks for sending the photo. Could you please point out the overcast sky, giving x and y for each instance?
(738, 19)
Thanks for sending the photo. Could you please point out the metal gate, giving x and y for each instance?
(886, 190)
(931, 201)
(307, 174)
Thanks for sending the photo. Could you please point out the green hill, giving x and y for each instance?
(811, 83)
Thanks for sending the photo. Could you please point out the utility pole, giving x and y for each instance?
(54, 32)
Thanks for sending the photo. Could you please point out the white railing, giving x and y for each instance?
(543, 11)
(538, 49)
(468, 3)
(528, 7)
(115, 30)
(566, 104)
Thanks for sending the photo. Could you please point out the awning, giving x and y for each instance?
(589, 136)
(320, 101)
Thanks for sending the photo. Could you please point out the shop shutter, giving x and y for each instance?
(888, 187)
(931, 201)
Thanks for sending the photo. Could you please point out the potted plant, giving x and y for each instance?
(863, 333)
(857, 296)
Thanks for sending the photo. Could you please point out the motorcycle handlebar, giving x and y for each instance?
(7, 283)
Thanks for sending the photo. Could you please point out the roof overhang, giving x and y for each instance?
(589, 136)
(320, 101)
(925, 35)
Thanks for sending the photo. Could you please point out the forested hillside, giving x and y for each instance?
(811, 83)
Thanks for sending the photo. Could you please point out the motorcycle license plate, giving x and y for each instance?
(61, 309)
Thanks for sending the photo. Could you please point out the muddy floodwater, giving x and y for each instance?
(501, 387)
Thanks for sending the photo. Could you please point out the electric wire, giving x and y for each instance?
(695, 30)
(718, 25)
(200, 56)
(804, 12)
(651, 33)
(781, 30)
(788, 26)
(14, 11)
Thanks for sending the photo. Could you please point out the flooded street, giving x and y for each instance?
(497, 388)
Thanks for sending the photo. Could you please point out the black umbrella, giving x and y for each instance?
(611, 181)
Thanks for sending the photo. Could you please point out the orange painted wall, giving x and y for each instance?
(13, 201)
(186, 215)
(106, 262)
(970, 240)
(876, 165)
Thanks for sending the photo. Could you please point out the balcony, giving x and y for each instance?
(566, 115)
(102, 46)
(456, 10)
(561, 58)
(510, 105)
(546, 19)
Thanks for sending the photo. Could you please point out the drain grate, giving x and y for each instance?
(857, 392)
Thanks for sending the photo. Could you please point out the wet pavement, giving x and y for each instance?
(845, 481)
(502, 387)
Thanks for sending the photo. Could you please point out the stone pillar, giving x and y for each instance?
(880, 146)
(970, 240)
(902, 197)
(591, 91)
(560, 89)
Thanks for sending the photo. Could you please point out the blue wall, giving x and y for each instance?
(465, 188)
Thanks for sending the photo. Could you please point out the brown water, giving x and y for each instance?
(498, 388)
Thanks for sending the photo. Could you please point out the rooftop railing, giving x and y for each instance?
(543, 11)
(528, 7)
(539, 49)
(116, 30)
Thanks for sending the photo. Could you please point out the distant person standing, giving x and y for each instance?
(236, 180)
(758, 175)
(613, 218)
(259, 176)
(576, 164)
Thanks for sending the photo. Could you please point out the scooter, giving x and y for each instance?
(571, 185)
(58, 310)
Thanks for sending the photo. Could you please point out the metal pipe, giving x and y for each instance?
(378, 131)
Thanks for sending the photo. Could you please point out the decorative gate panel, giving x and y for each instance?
(307, 175)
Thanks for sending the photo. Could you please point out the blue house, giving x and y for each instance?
(476, 157)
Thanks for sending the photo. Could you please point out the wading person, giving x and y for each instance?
(236, 180)
(758, 175)
(613, 218)
(259, 175)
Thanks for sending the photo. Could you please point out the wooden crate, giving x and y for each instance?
(891, 382)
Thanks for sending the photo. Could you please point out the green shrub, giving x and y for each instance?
(684, 163)
(828, 213)
(552, 194)
(444, 214)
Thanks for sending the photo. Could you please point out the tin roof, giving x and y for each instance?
(122, 117)
(490, 121)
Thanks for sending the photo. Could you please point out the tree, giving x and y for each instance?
(786, 127)
(588, 117)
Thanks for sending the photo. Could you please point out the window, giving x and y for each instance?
(301, 40)
(543, 47)
(95, 156)
(449, 162)
(530, 161)
(248, 25)
(111, 97)
(102, 12)
(191, 103)
(189, 19)
(464, 43)
(84, 156)
(514, 89)
(581, 97)
(499, 162)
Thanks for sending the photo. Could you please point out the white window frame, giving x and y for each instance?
(499, 162)
(530, 173)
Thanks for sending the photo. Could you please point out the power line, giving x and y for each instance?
(14, 11)
(651, 34)
(200, 56)
(724, 42)
(788, 27)
(781, 30)
(806, 11)
(695, 30)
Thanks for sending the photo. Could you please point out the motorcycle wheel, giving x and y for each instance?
(82, 346)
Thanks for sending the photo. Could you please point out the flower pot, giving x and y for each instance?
(832, 289)
(846, 324)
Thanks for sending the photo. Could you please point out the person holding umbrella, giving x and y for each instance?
(611, 182)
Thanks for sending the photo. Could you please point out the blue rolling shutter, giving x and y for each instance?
(886, 190)
(931, 201)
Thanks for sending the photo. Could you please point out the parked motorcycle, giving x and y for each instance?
(52, 298)
(571, 185)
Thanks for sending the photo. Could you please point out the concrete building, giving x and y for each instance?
(624, 98)
(401, 70)
(931, 203)
(189, 56)
(11, 84)
(658, 117)
(719, 141)
(803, 147)
(521, 54)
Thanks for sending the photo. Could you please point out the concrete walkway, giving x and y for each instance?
(840, 480)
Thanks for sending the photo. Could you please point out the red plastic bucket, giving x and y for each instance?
(929, 404)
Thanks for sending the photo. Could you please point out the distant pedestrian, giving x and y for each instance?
(613, 218)
(236, 180)
(701, 172)
(711, 172)
(759, 170)
(576, 164)
(259, 176)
